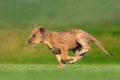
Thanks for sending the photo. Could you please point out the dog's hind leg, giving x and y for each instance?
(85, 47)
(79, 53)
(77, 57)
(84, 42)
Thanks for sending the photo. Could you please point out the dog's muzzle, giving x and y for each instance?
(32, 44)
(29, 41)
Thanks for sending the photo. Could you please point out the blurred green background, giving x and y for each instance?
(101, 18)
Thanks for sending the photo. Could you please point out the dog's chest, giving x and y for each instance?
(54, 50)
(49, 44)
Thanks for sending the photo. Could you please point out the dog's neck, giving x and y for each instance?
(47, 39)
(44, 35)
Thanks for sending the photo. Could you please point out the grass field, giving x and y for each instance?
(20, 61)
(15, 49)
(52, 72)
(17, 18)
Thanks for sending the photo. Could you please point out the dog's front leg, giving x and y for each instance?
(61, 63)
(64, 55)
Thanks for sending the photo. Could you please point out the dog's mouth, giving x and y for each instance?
(32, 44)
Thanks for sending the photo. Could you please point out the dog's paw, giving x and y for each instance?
(61, 66)
(72, 61)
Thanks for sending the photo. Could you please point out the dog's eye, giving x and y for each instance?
(33, 35)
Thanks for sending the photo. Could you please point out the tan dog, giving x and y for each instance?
(62, 42)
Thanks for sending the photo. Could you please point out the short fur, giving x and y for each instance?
(61, 42)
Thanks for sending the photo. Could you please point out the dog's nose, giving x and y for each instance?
(29, 41)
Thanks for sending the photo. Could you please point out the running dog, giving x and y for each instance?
(60, 43)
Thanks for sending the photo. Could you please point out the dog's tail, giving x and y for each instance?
(94, 40)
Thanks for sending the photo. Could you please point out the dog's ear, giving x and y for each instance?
(42, 30)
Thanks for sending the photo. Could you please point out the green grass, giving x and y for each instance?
(15, 49)
(17, 17)
(26, 13)
(20, 61)
(52, 72)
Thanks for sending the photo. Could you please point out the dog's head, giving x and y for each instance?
(36, 35)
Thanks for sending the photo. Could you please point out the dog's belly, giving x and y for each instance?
(55, 51)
